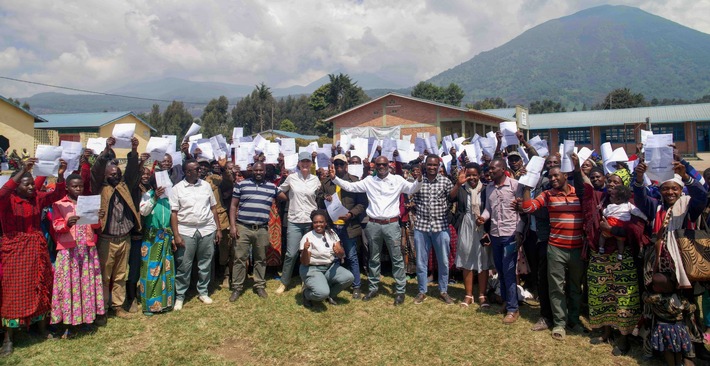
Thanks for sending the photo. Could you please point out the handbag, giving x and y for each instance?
(694, 248)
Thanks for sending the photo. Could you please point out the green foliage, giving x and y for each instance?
(622, 98)
(488, 103)
(287, 125)
(339, 95)
(215, 118)
(452, 94)
(545, 106)
(176, 120)
(19, 103)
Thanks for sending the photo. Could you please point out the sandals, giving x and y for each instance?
(483, 302)
(558, 333)
(467, 301)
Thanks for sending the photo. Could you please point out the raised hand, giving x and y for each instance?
(679, 169)
(306, 245)
(159, 191)
(134, 143)
(338, 250)
(28, 164)
(63, 168)
(462, 176)
(640, 170)
(331, 171)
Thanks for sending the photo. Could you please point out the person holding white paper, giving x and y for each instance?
(121, 218)
(222, 182)
(383, 192)
(301, 190)
(347, 227)
(27, 269)
(77, 274)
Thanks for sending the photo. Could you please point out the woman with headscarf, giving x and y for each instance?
(27, 272)
(612, 280)
(672, 212)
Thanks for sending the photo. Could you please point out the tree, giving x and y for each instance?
(216, 116)
(488, 103)
(287, 125)
(545, 106)
(176, 120)
(339, 95)
(263, 93)
(622, 98)
(155, 119)
(18, 103)
(451, 94)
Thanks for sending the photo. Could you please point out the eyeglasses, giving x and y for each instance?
(326, 242)
(380, 164)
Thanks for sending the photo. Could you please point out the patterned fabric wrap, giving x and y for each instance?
(157, 281)
(624, 175)
(672, 337)
(614, 297)
(273, 251)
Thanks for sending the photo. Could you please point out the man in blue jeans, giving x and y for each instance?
(501, 196)
(348, 226)
(431, 228)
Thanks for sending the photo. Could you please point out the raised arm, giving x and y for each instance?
(646, 204)
(134, 165)
(98, 170)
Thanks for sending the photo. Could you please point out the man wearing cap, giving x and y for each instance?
(348, 226)
(383, 192)
(301, 190)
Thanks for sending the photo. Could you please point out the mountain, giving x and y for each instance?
(581, 57)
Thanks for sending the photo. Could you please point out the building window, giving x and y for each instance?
(677, 129)
(393, 111)
(544, 134)
(579, 135)
(618, 134)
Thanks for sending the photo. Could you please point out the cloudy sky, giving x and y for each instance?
(101, 45)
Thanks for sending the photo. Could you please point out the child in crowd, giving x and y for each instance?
(616, 214)
(669, 333)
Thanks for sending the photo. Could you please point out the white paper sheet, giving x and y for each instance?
(172, 143)
(195, 138)
(388, 148)
(219, 150)
(540, 146)
(312, 147)
(447, 143)
(523, 154)
(157, 147)
(584, 154)
(403, 145)
(345, 142)
(356, 169)
(271, 152)
(432, 145)
(162, 179)
(3, 179)
(48, 152)
(662, 140)
(288, 146)
(122, 133)
(71, 153)
(46, 169)
(508, 129)
(373, 149)
(659, 162)
(193, 130)
(87, 208)
(618, 155)
(245, 155)
(446, 160)
(360, 148)
(473, 152)
(260, 143)
(206, 147)
(566, 165)
(533, 172)
(644, 135)
(290, 161)
(237, 133)
(420, 145)
(323, 158)
(458, 144)
(96, 144)
(335, 208)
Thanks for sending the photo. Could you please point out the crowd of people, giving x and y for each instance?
(581, 243)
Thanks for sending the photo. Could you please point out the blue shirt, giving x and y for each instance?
(254, 201)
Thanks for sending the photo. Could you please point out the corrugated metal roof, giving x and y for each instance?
(86, 120)
(427, 101)
(615, 117)
(507, 113)
(26, 111)
(290, 134)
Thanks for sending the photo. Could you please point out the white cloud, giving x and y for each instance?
(100, 45)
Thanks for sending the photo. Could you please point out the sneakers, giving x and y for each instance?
(281, 289)
(541, 324)
(178, 305)
(446, 298)
(511, 318)
(356, 293)
(205, 299)
(420, 298)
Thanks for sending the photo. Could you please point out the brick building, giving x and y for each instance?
(414, 115)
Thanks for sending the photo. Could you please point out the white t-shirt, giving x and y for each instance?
(321, 248)
(622, 211)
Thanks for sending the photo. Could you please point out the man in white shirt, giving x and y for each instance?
(195, 224)
(383, 193)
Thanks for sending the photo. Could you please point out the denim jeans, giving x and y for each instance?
(391, 235)
(200, 248)
(350, 247)
(294, 233)
(321, 282)
(505, 257)
(423, 242)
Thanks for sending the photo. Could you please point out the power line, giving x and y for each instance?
(99, 93)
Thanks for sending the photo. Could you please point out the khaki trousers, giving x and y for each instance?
(113, 256)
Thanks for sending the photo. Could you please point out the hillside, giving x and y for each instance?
(580, 58)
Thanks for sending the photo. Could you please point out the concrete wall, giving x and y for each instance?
(18, 127)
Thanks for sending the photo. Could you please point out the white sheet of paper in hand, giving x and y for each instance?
(162, 179)
(659, 161)
(123, 132)
(356, 169)
(458, 144)
(172, 143)
(313, 146)
(360, 148)
(323, 158)
(419, 145)
(523, 154)
(388, 148)
(403, 145)
(618, 155)
(473, 152)
(584, 154)
(345, 142)
(508, 129)
(237, 133)
(335, 208)
(432, 145)
(373, 149)
(288, 146)
(244, 156)
(46, 169)
(644, 135)
(447, 143)
(662, 140)
(534, 171)
(193, 130)
(195, 138)
(157, 147)
(217, 150)
(48, 152)
(260, 143)
(271, 152)
(96, 144)
(71, 153)
(290, 161)
(206, 147)
(488, 145)
(87, 208)
(446, 160)
(566, 165)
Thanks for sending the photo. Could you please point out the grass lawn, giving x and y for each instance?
(279, 330)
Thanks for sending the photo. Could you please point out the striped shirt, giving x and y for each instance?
(566, 217)
(254, 201)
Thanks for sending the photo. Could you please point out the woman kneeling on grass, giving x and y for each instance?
(323, 277)
(77, 296)
(24, 259)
